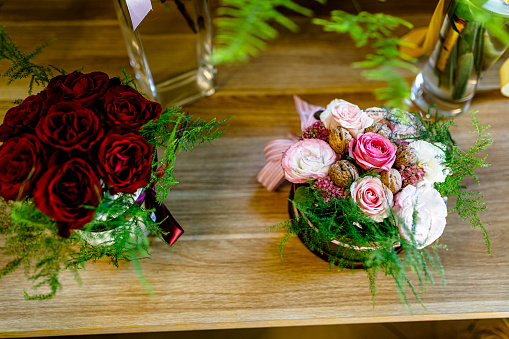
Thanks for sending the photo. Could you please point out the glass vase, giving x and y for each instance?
(474, 34)
(170, 50)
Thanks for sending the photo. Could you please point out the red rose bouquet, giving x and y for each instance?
(367, 184)
(80, 177)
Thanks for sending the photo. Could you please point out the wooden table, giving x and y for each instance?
(225, 271)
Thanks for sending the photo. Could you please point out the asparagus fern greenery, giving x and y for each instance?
(337, 227)
(243, 28)
(386, 58)
(31, 238)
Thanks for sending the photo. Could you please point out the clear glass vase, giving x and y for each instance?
(170, 50)
(474, 34)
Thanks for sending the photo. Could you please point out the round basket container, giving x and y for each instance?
(342, 253)
(105, 238)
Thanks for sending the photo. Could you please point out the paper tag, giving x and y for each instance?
(138, 10)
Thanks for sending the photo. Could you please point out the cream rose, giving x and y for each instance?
(426, 207)
(431, 159)
(376, 113)
(347, 115)
(307, 160)
(373, 197)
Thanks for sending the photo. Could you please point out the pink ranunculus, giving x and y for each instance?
(426, 207)
(373, 197)
(307, 160)
(347, 115)
(373, 151)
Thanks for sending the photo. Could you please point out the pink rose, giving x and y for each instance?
(347, 115)
(373, 151)
(307, 159)
(427, 208)
(373, 197)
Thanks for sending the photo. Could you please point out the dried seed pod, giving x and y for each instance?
(392, 179)
(380, 128)
(339, 138)
(342, 172)
(405, 156)
(317, 114)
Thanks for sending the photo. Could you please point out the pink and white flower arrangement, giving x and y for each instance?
(370, 183)
(375, 168)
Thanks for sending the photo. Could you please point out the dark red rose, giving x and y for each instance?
(22, 159)
(124, 106)
(125, 161)
(64, 192)
(22, 118)
(69, 126)
(83, 88)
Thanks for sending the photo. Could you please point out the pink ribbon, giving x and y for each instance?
(272, 174)
(138, 10)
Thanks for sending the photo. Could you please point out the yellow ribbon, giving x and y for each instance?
(423, 40)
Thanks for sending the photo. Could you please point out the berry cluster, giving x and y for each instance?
(316, 131)
(411, 175)
(328, 190)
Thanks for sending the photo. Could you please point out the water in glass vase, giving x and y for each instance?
(170, 50)
(474, 35)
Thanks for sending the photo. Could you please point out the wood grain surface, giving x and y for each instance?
(225, 271)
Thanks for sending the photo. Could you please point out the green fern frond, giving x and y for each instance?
(176, 131)
(383, 64)
(21, 63)
(244, 29)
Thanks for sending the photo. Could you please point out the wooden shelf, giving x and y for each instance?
(225, 271)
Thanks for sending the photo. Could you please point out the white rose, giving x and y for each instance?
(431, 159)
(347, 115)
(427, 208)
